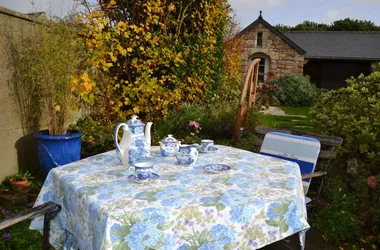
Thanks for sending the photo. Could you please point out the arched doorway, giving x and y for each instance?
(264, 66)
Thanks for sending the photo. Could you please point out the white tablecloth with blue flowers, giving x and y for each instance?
(259, 201)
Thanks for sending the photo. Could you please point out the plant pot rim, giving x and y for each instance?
(11, 180)
(44, 135)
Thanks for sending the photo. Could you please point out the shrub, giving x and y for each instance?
(354, 114)
(229, 87)
(338, 221)
(97, 136)
(294, 90)
(149, 57)
(216, 121)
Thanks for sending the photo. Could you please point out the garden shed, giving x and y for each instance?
(329, 58)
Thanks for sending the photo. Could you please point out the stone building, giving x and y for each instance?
(329, 58)
(278, 53)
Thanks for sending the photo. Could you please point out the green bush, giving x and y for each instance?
(97, 136)
(294, 90)
(337, 221)
(338, 218)
(354, 114)
(217, 121)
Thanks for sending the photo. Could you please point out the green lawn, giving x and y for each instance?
(299, 119)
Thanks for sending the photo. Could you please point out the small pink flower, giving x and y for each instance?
(371, 181)
(197, 131)
(194, 123)
(192, 134)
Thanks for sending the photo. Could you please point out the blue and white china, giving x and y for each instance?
(134, 145)
(206, 144)
(187, 154)
(216, 168)
(169, 146)
(142, 170)
(211, 149)
(133, 178)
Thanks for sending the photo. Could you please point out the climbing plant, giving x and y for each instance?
(150, 56)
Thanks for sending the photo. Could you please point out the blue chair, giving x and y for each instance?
(302, 150)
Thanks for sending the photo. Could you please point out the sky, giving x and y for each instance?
(288, 12)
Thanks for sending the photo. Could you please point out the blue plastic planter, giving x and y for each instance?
(57, 150)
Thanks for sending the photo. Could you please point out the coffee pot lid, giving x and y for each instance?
(134, 122)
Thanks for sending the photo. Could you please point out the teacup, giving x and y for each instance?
(206, 144)
(142, 170)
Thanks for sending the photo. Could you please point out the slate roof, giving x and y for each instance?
(343, 45)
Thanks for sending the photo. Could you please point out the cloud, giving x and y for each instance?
(333, 15)
(254, 5)
(366, 1)
(52, 7)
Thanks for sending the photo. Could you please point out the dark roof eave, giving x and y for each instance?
(278, 33)
(342, 58)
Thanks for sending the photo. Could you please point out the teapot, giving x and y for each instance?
(169, 146)
(134, 145)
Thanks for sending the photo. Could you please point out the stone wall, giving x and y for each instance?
(283, 58)
(17, 146)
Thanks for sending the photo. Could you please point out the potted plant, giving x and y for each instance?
(20, 180)
(46, 67)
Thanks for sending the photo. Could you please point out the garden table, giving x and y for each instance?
(259, 201)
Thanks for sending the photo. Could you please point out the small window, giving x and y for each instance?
(260, 39)
(261, 76)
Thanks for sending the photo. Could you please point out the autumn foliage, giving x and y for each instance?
(151, 56)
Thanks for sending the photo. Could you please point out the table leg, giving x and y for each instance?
(47, 218)
(302, 236)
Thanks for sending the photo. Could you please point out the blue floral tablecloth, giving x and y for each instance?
(259, 201)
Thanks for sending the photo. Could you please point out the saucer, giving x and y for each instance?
(216, 168)
(134, 178)
(211, 149)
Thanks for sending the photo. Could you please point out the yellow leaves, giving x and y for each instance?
(86, 82)
(133, 27)
(136, 110)
(123, 52)
(106, 66)
(112, 4)
(163, 68)
(105, 21)
(57, 108)
(113, 58)
(121, 26)
(148, 35)
(171, 7)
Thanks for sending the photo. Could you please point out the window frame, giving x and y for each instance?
(259, 39)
